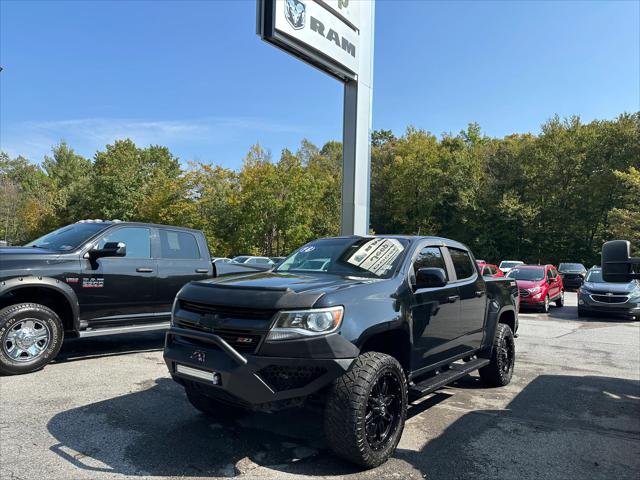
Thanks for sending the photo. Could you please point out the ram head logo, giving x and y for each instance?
(295, 12)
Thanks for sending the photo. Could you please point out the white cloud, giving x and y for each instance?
(34, 139)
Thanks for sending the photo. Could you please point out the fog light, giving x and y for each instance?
(580, 302)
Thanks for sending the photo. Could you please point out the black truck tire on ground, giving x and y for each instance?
(30, 337)
(364, 419)
(211, 407)
(560, 300)
(500, 370)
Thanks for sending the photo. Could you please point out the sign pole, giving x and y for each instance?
(356, 134)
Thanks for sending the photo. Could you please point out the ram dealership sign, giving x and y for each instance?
(335, 36)
(323, 33)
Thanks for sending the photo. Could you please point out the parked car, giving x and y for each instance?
(539, 285)
(251, 260)
(386, 320)
(613, 298)
(94, 278)
(220, 260)
(478, 261)
(277, 260)
(489, 270)
(572, 274)
(507, 265)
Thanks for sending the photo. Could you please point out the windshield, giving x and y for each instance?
(69, 237)
(359, 257)
(532, 274)
(509, 264)
(570, 266)
(595, 276)
(240, 259)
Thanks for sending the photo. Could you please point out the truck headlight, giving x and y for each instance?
(291, 324)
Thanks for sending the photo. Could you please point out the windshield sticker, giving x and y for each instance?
(93, 282)
(307, 249)
(377, 255)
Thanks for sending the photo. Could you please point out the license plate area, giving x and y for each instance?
(212, 378)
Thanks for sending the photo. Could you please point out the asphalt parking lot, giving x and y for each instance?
(107, 409)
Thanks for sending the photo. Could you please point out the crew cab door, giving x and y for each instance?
(473, 300)
(120, 290)
(183, 257)
(435, 312)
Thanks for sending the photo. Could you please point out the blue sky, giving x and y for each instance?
(194, 76)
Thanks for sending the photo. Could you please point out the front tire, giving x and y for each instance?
(30, 337)
(366, 410)
(545, 305)
(503, 358)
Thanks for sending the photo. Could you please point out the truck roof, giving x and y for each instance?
(413, 238)
(138, 224)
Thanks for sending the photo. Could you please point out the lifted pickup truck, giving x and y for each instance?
(360, 325)
(94, 278)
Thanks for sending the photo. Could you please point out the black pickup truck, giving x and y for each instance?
(94, 278)
(359, 325)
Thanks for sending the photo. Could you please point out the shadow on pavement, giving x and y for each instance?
(557, 427)
(110, 345)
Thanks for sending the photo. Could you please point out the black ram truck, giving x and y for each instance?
(94, 278)
(360, 325)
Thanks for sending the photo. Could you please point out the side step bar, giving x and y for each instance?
(147, 327)
(444, 378)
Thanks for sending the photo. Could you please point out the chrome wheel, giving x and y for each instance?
(26, 340)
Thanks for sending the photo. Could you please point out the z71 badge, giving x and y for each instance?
(93, 282)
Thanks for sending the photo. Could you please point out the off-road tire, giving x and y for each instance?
(346, 408)
(500, 370)
(212, 408)
(560, 300)
(10, 319)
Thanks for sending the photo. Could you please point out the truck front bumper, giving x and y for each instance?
(246, 380)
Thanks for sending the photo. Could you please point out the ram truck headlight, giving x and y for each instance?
(292, 324)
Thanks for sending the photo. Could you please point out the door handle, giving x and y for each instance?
(202, 270)
(144, 270)
(453, 298)
(479, 293)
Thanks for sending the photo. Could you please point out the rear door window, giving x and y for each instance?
(178, 245)
(462, 263)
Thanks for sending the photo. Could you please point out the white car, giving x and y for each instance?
(250, 260)
(507, 265)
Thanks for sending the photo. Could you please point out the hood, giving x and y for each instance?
(269, 290)
(20, 252)
(529, 283)
(607, 287)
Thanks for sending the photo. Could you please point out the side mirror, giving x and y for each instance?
(110, 249)
(430, 278)
(617, 262)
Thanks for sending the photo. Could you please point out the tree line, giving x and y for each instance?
(551, 197)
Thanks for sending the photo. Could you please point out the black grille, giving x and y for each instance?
(282, 377)
(242, 341)
(225, 312)
(610, 298)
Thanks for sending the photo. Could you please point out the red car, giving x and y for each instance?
(539, 285)
(489, 270)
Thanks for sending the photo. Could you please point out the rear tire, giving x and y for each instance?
(560, 300)
(503, 358)
(212, 408)
(30, 337)
(366, 410)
